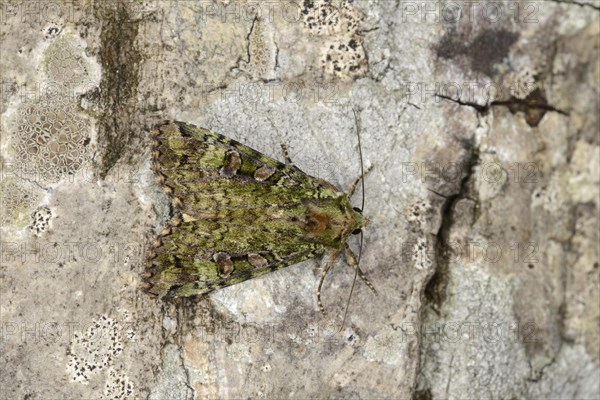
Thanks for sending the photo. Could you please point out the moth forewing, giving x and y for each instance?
(237, 213)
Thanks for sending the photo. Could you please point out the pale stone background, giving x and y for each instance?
(482, 131)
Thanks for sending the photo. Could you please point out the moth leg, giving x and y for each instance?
(327, 267)
(353, 185)
(351, 260)
(286, 155)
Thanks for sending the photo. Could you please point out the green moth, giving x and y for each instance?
(238, 214)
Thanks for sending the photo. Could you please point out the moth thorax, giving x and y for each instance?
(317, 221)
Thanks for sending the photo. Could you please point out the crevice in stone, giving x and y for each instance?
(576, 3)
(478, 107)
(276, 66)
(534, 106)
(169, 338)
(180, 347)
(435, 290)
(254, 22)
(423, 394)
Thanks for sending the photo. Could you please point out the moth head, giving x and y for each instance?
(360, 221)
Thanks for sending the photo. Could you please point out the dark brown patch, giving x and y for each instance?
(225, 263)
(486, 50)
(257, 261)
(233, 162)
(534, 106)
(263, 173)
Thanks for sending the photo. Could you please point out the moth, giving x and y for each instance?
(238, 214)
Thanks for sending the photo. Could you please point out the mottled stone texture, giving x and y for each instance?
(480, 123)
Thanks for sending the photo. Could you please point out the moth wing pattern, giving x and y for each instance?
(237, 213)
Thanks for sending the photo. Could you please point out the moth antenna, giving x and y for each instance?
(362, 207)
(362, 167)
(353, 283)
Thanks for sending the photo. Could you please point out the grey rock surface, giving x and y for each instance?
(480, 124)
